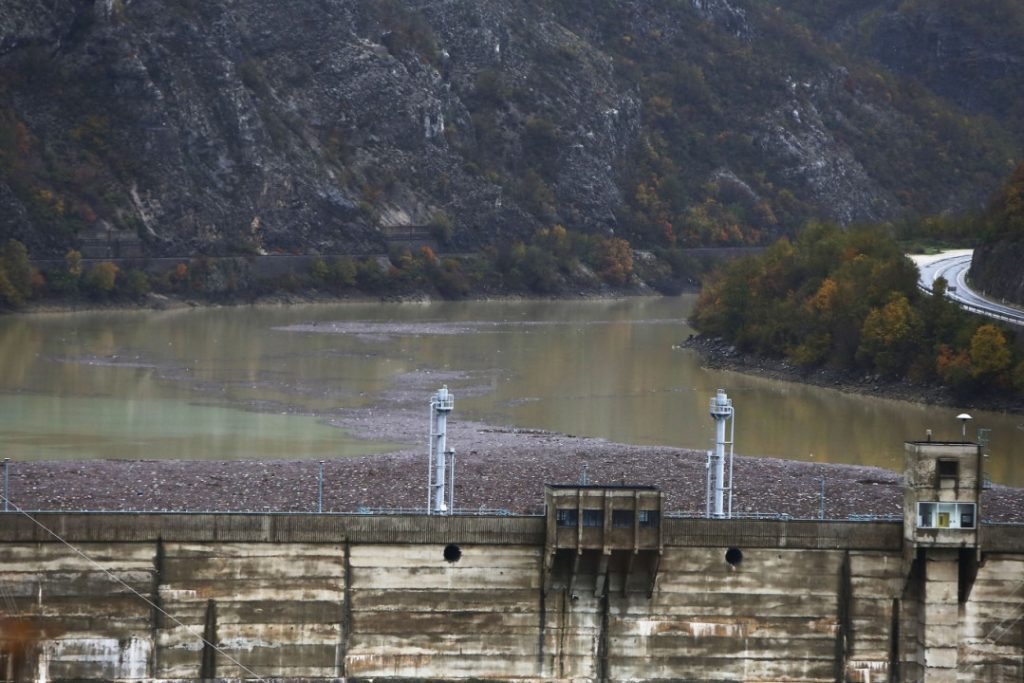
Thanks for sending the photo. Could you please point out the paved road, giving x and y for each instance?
(953, 265)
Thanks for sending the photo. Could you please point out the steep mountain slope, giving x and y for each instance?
(998, 264)
(324, 125)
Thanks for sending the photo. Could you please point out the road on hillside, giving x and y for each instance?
(953, 266)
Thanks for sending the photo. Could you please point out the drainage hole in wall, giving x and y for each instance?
(734, 556)
(452, 553)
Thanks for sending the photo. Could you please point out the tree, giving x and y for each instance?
(73, 262)
(615, 260)
(450, 280)
(15, 264)
(889, 336)
(342, 272)
(441, 227)
(318, 270)
(954, 368)
(989, 352)
(369, 275)
(135, 283)
(100, 278)
(8, 294)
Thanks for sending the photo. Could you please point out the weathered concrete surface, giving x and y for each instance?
(325, 597)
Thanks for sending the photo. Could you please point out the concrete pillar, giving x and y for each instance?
(940, 616)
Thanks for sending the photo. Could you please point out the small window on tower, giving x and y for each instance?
(948, 469)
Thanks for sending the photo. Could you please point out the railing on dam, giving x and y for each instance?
(458, 512)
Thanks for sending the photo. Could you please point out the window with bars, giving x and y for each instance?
(622, 518)
(593, 518)
(566, 517)
(649, 518)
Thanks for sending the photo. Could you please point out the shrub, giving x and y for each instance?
(318, 270)
(17, 270)
(73, 263)
(370, 276)
(342, 272)
(99, 280)
(134, 283)
(441, 227)
(614, 260)
(450, 281)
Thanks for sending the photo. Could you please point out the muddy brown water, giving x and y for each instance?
(264, 382)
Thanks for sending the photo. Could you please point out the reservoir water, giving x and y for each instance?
(259, 382)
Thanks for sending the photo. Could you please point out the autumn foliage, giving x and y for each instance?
(849, 300)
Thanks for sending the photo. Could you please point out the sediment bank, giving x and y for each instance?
(720, 355)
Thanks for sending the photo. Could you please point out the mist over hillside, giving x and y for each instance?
(224, 127)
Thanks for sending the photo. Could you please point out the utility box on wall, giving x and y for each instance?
(942, 496)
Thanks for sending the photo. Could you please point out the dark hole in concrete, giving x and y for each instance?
(452, 552)
(734, 556)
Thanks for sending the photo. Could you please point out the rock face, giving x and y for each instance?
(996, 270)
(325, 126)
(998, 264)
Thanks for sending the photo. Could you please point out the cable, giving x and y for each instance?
(136, 593)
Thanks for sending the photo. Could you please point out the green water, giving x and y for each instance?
(262, 382)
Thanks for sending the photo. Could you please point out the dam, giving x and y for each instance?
(605, 586)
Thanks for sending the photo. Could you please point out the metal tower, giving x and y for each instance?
(723, 414)
(440, 493)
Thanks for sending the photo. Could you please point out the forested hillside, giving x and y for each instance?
(326, 126)
(848, 300)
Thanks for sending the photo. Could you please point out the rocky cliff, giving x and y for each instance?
(998, 264)
(327, 126)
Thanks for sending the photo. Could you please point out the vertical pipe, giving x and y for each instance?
(451, 482)
(7, 485)
(719, 466)
(732, 448)
(430, 458)
(707, 488)
(821, 500)
(320, 496)
(440, 421)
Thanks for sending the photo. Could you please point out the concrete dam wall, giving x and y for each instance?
(404, 598)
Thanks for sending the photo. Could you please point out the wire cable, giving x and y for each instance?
(139, 595)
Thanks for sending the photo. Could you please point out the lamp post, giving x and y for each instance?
(964, 419)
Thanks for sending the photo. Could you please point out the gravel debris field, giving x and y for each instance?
(497, 468)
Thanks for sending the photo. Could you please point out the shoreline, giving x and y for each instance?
(717, 354)
(161, 302)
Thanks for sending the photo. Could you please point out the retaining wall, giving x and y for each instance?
(299, 597)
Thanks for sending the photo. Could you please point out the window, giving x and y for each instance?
(945, 515)
(566, 517)
(593, 518)
(622, 518)
(948, 469)
(649, 518)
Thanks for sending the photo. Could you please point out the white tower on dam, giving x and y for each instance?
(440, 475)
(718, 484)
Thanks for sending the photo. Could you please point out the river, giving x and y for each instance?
(262, 382)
